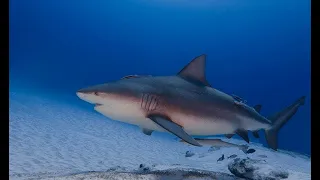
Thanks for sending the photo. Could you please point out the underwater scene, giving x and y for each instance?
(160, 89)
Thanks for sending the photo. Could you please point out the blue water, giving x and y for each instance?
(259, 50)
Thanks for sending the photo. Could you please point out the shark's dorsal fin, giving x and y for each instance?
(257, 108)
(195, 70)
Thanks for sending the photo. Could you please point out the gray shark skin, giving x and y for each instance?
(184, 105)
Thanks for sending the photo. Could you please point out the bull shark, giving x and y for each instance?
(185, 105)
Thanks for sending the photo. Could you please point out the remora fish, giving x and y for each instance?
(219, 143)
(184, 104)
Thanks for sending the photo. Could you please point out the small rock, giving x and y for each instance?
(143, 167)
(232, 156)
(256, 169)
(189, 154)
(116, 168)
(212, 148)
(280, 174)
(262, 156)
(146, 169)
(251, 151)
(221, 158)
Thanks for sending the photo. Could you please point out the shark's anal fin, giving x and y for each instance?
(255, 134)
(194, 72)
(174, 128)
(257, 108)
(146, 131)
(243, 133)
(228, 135)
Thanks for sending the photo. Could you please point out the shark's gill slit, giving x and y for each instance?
(149, 102)
(143, 99)
(152, 99)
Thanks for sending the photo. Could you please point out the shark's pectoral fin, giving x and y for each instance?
(146, 131)
(244, 134)
(228, 135)
(174, 128)
(255, 134)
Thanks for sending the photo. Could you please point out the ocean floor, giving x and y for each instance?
(52, 137)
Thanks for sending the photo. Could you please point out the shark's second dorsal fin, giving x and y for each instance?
(195, 71)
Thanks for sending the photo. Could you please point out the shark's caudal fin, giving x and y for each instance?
(279, 119)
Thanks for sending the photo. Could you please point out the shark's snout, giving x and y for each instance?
(88, 90)
(88, 95)
(81, 95)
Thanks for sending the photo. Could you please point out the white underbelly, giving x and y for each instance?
(205, 127)
(191, 125)
(130, 115)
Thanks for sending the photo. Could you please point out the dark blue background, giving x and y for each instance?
(259, 50)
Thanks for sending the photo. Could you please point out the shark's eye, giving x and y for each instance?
(96, 93)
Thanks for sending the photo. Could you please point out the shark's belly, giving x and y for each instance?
(130, 115)
(200, 126)
(193, 125)
(209, 128)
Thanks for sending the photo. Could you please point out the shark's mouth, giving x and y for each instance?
(97, 104)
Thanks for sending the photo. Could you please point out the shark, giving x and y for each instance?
(184, 104)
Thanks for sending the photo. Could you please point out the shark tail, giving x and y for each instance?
(279, 119)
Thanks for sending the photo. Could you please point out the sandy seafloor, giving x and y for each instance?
(52, 135)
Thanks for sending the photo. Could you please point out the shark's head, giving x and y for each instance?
(117, 100)
(97, 94)
(108, 93)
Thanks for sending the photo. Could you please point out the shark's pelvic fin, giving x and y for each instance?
(174, 128)
(255, 134)
(257, 107)
(279, 119)
(244, 134)
(195, 71)
(146, 131)
(228, 135)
